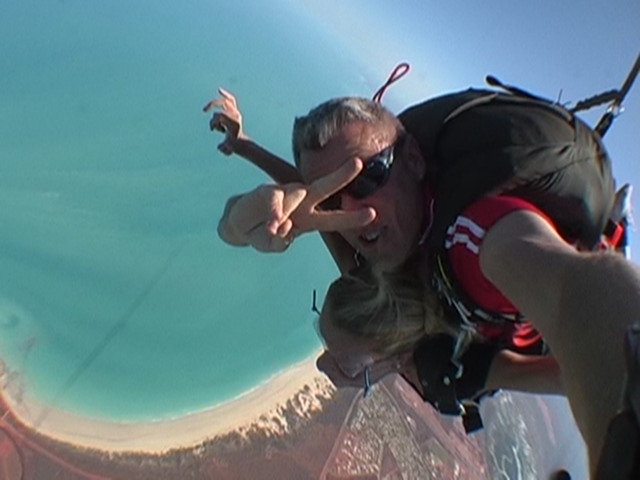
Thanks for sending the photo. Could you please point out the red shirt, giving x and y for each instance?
(463, 241)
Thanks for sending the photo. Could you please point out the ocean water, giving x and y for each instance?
(117, 299)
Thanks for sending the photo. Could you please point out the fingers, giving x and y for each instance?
(262, 218)
(227, 100)
(228, 120)
(293, 195)
(216, 102)
(326, 186)
(218, 121)
(264, 241)
(285, 230)
(340, 220)
(281, 203)
(223, 122)
(229, 96)
(308, 217)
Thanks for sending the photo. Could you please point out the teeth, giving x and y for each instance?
(371, 236)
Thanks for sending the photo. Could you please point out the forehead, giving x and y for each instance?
(356, 139)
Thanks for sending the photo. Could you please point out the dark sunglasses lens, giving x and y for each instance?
(375, 174)
(371, 179)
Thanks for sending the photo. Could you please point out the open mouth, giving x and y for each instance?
(370, 237)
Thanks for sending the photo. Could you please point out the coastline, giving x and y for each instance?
(261, 407)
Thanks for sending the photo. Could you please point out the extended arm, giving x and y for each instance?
(582, 304)
(482, 368)
(525, 373)
(485, 369)
(229, 121)
(278, 169)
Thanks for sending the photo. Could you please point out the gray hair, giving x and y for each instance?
(313, 131)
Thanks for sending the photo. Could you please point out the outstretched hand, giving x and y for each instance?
(227, 120)
(271, 216)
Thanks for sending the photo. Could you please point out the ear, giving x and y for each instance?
(413, 158)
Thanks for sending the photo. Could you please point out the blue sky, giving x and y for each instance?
(571, 48)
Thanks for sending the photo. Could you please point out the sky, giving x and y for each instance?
(569, 50)
(97, 107)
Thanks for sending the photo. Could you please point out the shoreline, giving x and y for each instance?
(260, 407)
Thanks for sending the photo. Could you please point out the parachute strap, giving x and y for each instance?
(454, 387)
(495, 82)
(596, 100)
(396, 74)
(616, 106)
(468, 313)
(614, 97)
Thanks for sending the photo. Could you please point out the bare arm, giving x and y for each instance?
(508, 371)
(229, 121)
(582, 304)
(525, 373)
(278, 169)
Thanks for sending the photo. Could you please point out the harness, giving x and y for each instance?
(442, 363)
(613, 234)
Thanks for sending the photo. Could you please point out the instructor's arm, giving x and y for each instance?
(582, 304)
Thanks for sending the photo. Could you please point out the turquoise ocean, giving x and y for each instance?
(117, 299)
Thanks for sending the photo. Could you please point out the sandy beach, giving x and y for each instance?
(301, 385)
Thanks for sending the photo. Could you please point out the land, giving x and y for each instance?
(298, 426)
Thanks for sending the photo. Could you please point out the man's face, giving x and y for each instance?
(399, 204)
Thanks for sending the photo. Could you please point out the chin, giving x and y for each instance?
(388, 264)
(385, 259)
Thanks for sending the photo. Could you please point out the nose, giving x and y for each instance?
(352, 367)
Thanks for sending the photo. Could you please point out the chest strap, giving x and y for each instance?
(463, 310)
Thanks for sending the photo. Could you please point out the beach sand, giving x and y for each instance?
(300, 387)
(295, 427)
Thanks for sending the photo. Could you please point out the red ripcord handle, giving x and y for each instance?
(400, 71)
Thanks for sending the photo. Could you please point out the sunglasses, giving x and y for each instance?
(373, 176)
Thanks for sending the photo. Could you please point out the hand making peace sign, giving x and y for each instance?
(271, 216)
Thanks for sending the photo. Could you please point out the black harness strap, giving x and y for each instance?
(454, 387)
(614, 109)
(440, 366)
